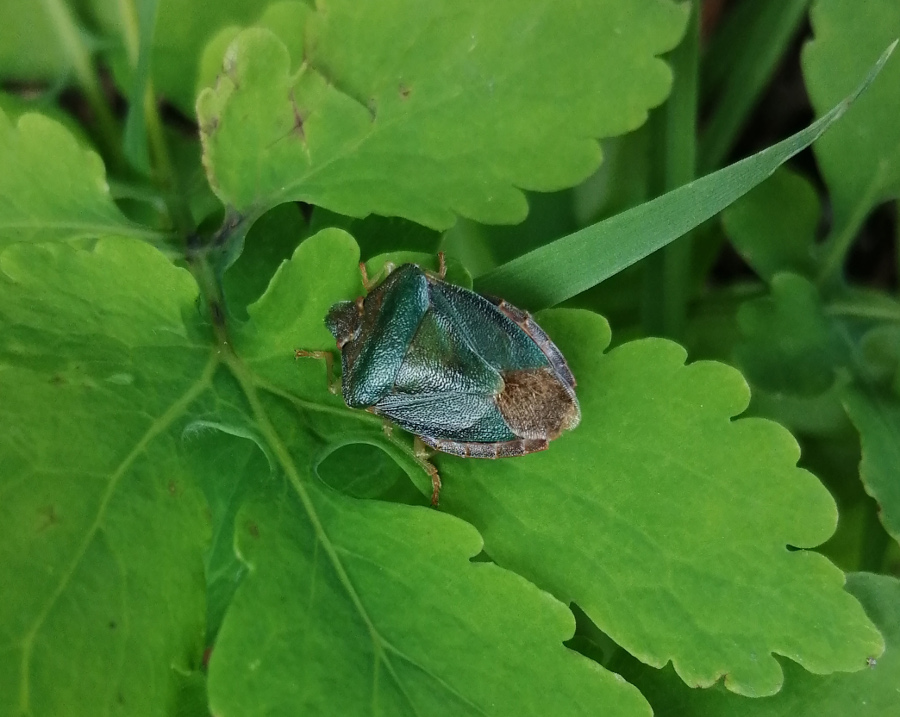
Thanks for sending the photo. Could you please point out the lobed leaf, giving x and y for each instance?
(271, 240)
(103, 527)
(51, 188)
(824, 359)
(880, 347)
(398, 108)
(860, 159)
(285, 18)
(871, 691)
(290, 314)
(14, 106)
(122, 405)
(668, 522)
(357, 607)
(228, 471)
(876, 415)
(773, 227)
(790, 346)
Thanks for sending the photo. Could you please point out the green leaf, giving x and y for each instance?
(860, 159)
(103, 527)
(376, 475)
(668, 522)
(317, 626)
(14, 106)
(456, 272)
(137, 412)
(880, 350)
(286, 19)
(52, 189)
(29, 50)
(282, 320)
(834, 458)
(270, 241)
(560, 270)
(773, 227)
(790, 346)
(228, 471)
(876, 415)
(191, 700)
(399, 108)
(799, 351)
(869, 692)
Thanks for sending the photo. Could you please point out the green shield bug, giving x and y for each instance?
(467, 374)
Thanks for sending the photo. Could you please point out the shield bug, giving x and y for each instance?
(467, 374)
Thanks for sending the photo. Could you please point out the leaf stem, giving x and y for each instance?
(840, 238)
(863, 311)
(138, 41)
(668, 272)
(138, 31)
(69, 35)
(164, 168)
(131, 30)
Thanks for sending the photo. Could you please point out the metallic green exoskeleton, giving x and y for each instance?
(469, 375)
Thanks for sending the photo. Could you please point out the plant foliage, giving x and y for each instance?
(193, 523)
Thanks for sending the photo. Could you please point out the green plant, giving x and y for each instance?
(192, 524)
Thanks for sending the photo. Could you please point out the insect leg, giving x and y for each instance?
(325, 356)
(441, 272)
(422, 456)
(369, 284)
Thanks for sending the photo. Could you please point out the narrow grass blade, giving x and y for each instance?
(566, 267)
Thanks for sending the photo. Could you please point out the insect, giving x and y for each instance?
(467, 374)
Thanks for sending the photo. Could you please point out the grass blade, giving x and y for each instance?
(566, 267)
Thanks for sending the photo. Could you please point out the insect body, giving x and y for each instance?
(469, 375)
